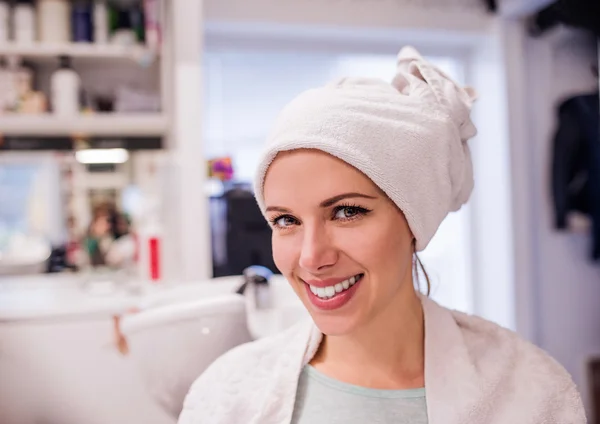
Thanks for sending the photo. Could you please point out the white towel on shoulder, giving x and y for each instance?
(475, 373)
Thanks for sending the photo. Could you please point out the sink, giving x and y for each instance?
(181, 330)
(171, 345)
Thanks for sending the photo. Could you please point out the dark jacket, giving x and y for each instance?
(584, 14)
(576, 163)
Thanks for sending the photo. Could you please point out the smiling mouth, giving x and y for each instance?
(331, 291)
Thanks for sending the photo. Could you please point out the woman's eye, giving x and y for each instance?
(347, 212)
(285, 221)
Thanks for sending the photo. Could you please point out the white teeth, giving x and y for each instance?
(330, 291)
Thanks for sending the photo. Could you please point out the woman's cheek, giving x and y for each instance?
(283, 253)
(357, 240)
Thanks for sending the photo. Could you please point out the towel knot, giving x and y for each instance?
(416, 77)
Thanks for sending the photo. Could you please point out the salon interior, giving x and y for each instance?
(132, 251)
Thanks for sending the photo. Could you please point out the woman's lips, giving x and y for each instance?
(337, 300)
(329, 281)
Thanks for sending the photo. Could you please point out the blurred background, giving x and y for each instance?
(132, 252)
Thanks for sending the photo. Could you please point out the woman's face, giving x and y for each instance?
(100, 225)
(343, 245)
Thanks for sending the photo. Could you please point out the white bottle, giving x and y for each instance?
(65, 88)
(4, 21)
(54, 21)
(100, 22)
(24, 22)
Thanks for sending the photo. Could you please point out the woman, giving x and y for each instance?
(99, 238)
(356, 178)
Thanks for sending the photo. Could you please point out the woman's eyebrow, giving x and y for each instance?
(278, 209)
(325, 203)
(333, 200)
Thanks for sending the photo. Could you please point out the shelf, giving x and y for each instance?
(119, 125)
(47, 52)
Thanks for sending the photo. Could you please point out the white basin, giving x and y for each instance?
(173, 344)
(286, 311)
(67, 328)
(182, 330)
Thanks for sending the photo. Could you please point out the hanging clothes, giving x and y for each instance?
(584, 14)
(576, 163)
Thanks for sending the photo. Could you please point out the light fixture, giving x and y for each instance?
(97, 156)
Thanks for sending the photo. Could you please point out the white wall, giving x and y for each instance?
(566, 283)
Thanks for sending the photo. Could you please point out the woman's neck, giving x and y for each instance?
(387, 353)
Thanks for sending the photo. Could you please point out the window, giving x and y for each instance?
(17, 182)
(30, 205)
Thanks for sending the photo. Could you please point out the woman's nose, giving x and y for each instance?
(318, 252)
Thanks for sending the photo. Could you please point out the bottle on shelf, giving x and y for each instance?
(101, 30)
(123, 34)
(152, 18)
(65, 87)
(23, 21)
(81, 21)
(4, 21)
(54, 22)
(136, 17)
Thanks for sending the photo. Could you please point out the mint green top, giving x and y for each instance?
(324, 400)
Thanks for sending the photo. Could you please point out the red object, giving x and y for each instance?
(154, 251)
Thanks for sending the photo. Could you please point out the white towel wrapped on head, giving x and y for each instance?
(409, 137)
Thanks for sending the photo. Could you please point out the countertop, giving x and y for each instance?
(72, 297)
(60, 296)
(64, 296)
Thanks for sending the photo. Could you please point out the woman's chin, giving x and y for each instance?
(336, 322)
(333, 325)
